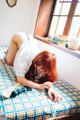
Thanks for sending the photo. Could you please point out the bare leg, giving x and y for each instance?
(15, 44)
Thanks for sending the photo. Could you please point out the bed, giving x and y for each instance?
(32, 104)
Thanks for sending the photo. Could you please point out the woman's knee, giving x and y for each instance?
(17, 38)
(9, 61)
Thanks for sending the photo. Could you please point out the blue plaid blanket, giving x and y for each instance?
(32, 104)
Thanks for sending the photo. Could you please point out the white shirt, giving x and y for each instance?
(27, 52)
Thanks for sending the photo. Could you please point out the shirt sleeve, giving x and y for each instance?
(22, 63)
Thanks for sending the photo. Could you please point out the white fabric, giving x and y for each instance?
(28, 50)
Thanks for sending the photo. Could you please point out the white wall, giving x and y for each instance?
(68, 66)
(21, 17)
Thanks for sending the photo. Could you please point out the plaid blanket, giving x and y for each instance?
(33, 104)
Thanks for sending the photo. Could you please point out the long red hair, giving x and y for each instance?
(48, 62)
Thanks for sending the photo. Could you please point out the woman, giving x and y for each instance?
(33, 68)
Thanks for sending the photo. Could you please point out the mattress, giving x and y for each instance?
(33, 104)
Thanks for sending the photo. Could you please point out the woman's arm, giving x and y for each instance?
(31, 84)
(53, 95)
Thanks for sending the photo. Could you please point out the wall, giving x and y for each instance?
(21, 17)
(68, 66)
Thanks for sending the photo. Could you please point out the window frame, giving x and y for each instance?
(69, 18)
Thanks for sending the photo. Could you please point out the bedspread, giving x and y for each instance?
(34, 104)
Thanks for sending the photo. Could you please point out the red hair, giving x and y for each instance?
(47, 61)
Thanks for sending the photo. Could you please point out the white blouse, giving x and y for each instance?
(27, 52)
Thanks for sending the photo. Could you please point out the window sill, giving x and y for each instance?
(75, 53)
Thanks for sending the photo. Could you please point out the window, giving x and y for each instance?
(66, 18)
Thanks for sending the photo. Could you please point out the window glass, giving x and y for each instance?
(65, 8)
(53, 26)
(61, 25)
(75, 26)
(58, 8)
(77, 11)
(57, 26)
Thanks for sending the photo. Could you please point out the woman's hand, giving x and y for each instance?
(46, 85)
(53, 95)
